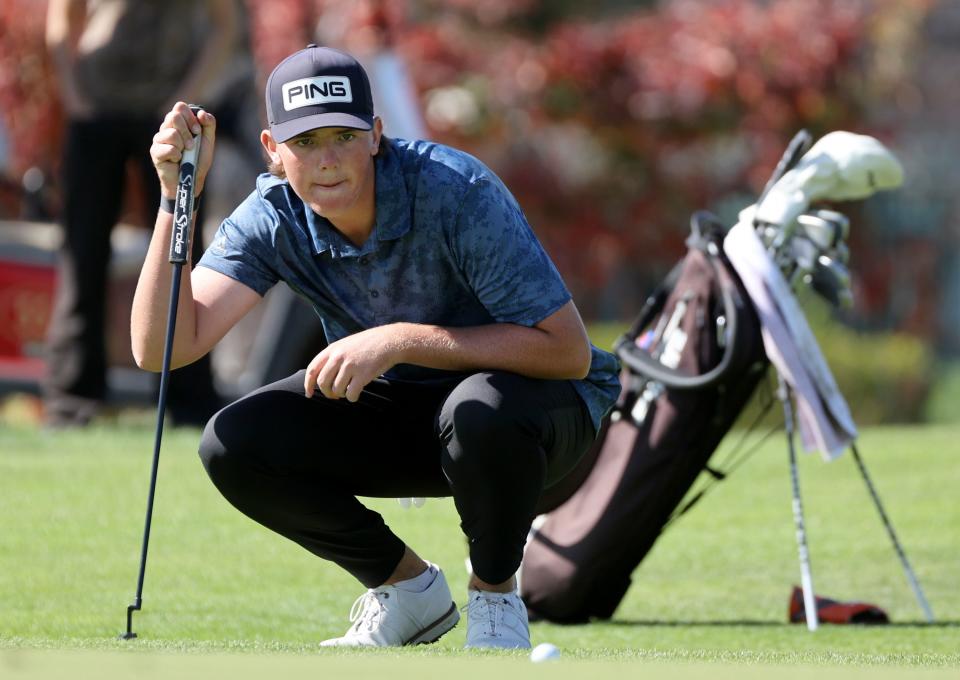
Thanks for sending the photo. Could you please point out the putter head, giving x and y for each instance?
(133, 607)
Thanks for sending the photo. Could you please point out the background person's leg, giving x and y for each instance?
(296, 465)
(506, 438)
(93, 173)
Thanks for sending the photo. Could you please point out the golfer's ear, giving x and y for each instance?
(375, 137)
(270, 145)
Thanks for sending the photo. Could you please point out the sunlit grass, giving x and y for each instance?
(714, 589)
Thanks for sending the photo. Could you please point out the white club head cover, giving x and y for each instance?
(841, 166)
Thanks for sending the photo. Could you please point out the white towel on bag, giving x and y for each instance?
(823, 417)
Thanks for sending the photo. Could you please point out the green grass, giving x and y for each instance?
(223, 593)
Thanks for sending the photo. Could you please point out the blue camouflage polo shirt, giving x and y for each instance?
(450, 247)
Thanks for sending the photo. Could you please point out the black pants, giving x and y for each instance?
(494, 441)
(94, 168)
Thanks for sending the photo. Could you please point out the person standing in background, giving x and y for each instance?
(120, 65)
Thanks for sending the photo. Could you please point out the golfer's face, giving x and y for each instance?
(330, 168)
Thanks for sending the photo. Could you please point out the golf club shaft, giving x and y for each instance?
(161, 410)
(179, 255)
(794, 151)
(806, 573)
(908, 570)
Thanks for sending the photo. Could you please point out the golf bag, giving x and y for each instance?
(691, 361)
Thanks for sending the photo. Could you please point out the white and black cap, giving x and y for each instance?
(318, 87)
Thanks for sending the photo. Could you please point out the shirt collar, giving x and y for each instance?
(392, 212)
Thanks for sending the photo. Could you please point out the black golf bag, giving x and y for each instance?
(691, 361)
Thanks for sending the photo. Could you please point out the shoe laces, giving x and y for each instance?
(367, 610)
(487, 611)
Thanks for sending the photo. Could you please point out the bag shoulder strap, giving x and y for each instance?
(706, 235)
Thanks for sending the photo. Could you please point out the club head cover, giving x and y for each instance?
(841, 166)
(832, 611)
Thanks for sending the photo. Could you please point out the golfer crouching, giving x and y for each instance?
(457, 363)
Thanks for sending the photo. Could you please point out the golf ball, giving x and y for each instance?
(544, 652)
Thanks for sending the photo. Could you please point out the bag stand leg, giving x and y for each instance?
(806, 575)
(908, 570)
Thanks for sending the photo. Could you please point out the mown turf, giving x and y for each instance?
(713, 591)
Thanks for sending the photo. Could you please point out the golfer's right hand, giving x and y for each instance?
(174, 136)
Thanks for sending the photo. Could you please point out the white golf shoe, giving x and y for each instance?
(390, 617)
(497, 620)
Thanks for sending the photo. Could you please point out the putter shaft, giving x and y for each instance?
(161, 410)
(179, 249)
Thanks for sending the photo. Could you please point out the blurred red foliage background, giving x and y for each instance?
(610, 127)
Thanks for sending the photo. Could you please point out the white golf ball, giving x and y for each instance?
(544, 652)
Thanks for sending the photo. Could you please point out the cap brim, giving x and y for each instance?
(284, 131)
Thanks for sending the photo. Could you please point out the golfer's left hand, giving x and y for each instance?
(345, 367)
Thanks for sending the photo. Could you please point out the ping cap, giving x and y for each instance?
(318, 87)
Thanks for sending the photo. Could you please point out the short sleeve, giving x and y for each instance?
(239, 252)
(504, 263)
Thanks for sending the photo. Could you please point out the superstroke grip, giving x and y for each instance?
(183, 206)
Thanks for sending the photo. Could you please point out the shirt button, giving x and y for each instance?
(364, 260)
(375, 293)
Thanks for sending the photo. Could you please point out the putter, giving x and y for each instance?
(179, 248)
